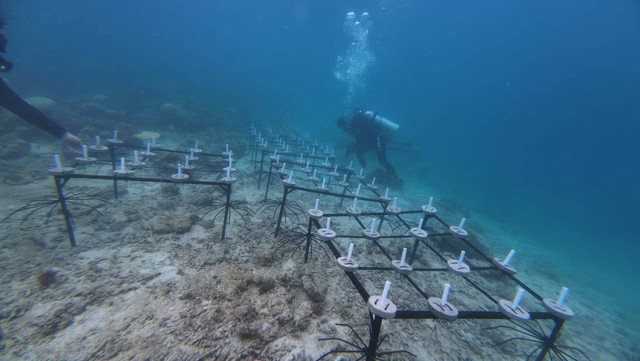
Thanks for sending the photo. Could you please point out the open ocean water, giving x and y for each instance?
(524, 116)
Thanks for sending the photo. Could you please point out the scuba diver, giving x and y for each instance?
(16, 105)
(371, 132)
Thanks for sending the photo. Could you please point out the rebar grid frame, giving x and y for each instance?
(546, 344)
(61, 180)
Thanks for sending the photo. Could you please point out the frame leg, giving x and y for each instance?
(226, 211)
(266, 192)
(376, 325)
(551, 340)
(253, 146)
(412, 255)
(112, 153)
(344, 191)
(261, 169)
(282, 205)
(306, 251)
(380, 225)
(65, 211)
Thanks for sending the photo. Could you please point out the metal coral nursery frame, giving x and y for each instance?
(61, 180)
(546, 343)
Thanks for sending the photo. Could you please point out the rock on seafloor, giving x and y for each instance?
(164, 224)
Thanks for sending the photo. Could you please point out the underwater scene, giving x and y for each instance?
(320, 180)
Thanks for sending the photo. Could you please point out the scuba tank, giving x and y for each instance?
(388, 127)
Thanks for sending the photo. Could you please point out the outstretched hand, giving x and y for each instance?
(72, 142)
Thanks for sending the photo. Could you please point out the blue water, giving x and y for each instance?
(527, 112)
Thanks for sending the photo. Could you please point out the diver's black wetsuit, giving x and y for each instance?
(13, 103)
(369, 136)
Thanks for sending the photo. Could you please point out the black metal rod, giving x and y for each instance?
(255, 156)
(333, 194)
(253, 151)
(360, 236)
(433, 269)
(413, 212)
(384, 251)
(62, 179)
(227, 206)
(374, 336)
(201, 167)
(306, 251)
(425, 220)
(403, 221)
(384, 208)
(261, 170)
(482, 254)
(139, 179)
(266, 192)
(420, 269)
(170, 150)
(357, 218)
(112, 153)
(295, 155)
(363, 214)
(469, 315)
(412, 255)
(282, 205)
(548, 343)
(65, 211)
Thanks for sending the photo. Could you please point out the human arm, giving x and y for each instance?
(15, 104)
(353, 148)
(72, 142)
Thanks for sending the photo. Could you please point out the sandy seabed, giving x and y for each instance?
(151, 280)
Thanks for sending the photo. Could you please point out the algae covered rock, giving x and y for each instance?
(164, 224)
(46, 279)
(43, 104)
(92, 109)
(172, 111)
(146, 135)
